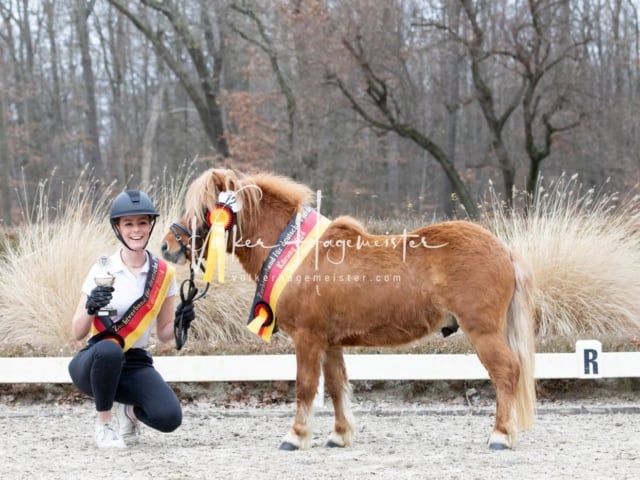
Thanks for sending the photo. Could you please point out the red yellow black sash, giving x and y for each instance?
(140, 315)
(294, 244)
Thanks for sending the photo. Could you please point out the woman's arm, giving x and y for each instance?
(81, 321)
(166, 317)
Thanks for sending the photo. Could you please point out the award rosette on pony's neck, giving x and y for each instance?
(296, 241)
(220, 220)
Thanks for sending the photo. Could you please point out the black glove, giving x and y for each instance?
(99, 297)
(184, 316)
(185, 310)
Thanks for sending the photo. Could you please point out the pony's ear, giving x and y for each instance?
(218, 178)
(225, 180)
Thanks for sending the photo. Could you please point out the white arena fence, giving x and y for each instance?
(588, 361)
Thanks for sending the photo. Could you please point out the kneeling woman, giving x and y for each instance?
(115, 366)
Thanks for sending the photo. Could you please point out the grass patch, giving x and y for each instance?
(584, 247)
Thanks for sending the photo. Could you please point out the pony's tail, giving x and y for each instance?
(521, 341)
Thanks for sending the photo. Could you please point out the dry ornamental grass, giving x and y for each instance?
(584, 248)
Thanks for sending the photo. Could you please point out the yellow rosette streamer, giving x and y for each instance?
(220, 219)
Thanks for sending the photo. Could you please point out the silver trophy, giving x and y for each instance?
(105, 279)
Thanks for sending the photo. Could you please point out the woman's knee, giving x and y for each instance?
(173, 421)
(167, 419)
(109, 351)
(172, 418)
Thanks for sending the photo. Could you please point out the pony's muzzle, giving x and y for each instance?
(173, 257)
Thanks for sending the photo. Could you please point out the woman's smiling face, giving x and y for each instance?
(135, 230)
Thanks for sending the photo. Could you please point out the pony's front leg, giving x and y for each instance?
(307, 376)
(337, 383)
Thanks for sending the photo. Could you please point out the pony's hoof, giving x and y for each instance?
(498, 441)
(332, 444)
(288, 446)
(497, 446)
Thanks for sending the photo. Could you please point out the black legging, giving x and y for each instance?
(103, 371)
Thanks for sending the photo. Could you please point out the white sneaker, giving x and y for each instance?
(107, 437)
(127, 426)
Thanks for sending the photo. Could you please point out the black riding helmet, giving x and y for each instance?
(131, 202)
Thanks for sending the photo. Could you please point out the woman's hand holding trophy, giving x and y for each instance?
(98, 300)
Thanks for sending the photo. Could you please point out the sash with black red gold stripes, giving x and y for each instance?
(296, 241)
(141, 314)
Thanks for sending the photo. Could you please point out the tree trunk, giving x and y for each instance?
(149, 134)
(92, 145)
(55, 76)
(5, 170)
(452, 70)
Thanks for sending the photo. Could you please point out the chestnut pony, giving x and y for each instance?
(360, 289)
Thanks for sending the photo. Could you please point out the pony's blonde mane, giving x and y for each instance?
(285, 189)
(203, 192)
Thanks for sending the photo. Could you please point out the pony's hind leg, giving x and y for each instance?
(337, 385)
(308, 357)
(495, 355)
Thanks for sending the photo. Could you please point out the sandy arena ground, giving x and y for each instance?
(394, 440)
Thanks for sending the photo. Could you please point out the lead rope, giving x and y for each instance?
(188, 295)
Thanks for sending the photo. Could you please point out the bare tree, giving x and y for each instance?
(203, 85)
(21, 52)
(265, 43)
(376, 102)
(510, 67)
(548, 108)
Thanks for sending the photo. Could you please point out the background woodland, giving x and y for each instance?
(391, 108)
(401, 111)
